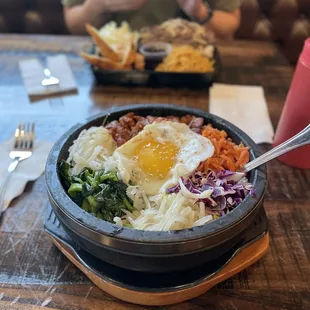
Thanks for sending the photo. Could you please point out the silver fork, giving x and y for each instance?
(22, 149)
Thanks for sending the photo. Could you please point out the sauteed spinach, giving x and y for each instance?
(99, 193)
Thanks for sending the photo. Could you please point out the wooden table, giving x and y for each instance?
(35, 275)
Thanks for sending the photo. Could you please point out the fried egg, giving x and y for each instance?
(160, 154)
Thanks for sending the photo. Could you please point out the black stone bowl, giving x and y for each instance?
(153, 251)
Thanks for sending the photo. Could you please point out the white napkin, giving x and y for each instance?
(245, 107)
(28, 170)
(32, 74)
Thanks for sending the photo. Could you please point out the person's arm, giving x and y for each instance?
(96, 12)
(223, 24)
(77, 16)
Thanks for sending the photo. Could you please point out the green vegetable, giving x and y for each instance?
(85, 206)
(74, 188)
(99, 193)
(64, 169)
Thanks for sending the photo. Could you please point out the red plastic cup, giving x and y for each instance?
(296, 112)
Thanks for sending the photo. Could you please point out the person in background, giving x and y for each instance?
(220, 16)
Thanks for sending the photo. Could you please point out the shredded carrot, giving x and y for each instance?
(227, 155)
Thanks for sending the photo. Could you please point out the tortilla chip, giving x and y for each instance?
(129, 55)
(104, 48)
(139, 63)
(102, 62)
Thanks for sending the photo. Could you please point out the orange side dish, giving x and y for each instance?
(227, 155)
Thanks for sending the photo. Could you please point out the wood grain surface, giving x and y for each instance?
(35, 275)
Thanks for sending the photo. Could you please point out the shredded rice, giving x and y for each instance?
(185, 58)
(164, 212)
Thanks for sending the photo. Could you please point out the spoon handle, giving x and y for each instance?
(302, 138)
(47, 72)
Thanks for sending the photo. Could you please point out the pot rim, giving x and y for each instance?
(102, 228)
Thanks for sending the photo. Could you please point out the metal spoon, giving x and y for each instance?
(302, 138)
(49, 80)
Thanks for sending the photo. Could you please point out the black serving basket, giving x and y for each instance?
(154, 79)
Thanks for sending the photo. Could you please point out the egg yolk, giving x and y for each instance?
(155, 158)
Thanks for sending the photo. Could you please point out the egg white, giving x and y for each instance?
(192, 149)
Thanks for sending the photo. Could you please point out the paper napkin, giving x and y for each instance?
(27, 170)
(32, 74)
(245, 107)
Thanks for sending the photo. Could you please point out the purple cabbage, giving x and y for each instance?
(229, 189)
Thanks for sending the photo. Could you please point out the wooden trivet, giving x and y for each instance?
(242, 260)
